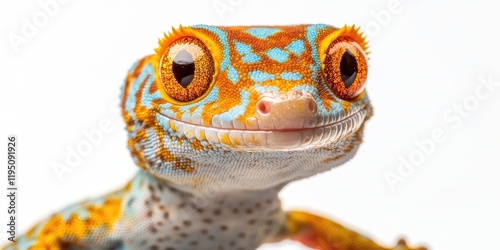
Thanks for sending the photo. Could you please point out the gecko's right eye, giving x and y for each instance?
(186, 69)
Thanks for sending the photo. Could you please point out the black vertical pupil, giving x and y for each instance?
(348, 68)
(183, 68)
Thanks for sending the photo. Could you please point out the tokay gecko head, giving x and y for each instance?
(247, 107)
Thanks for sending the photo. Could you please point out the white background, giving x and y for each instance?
(427, 58)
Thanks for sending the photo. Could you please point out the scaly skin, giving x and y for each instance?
(219, 120)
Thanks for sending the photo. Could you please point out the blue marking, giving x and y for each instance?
(185, 143)
(223, 39)
(263, 89)
(278, 55)
(165, 109)
(186, 116)
(247, 53)
(297, 47)
(262, 33)
(232, 74)
(131, 100)
(206, 144)
(251, 58)
(147, 98)
(198, 109)
(291, 76)
(226, 60)
(136, 160)
(164, 123)
(242, 48)
(311, 34)
(23, 243)
(136, 184)
(259, 76)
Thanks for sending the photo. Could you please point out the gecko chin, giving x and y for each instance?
(294, 154)
(285, 139)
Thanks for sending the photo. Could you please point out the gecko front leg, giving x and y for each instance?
(321, 233)
(87, 225)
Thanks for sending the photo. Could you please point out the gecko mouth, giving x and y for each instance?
(273, 139)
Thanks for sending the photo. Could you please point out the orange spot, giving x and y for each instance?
(225, 139)
(172, 125)
(236, 141)
(56, 233)
(253, 140)
(197, 144)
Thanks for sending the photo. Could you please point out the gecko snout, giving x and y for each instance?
(286, 110)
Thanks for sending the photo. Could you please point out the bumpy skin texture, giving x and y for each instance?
(266, 106)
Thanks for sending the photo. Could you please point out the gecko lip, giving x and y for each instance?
(271, 140)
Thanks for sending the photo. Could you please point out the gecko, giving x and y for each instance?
(219, 120)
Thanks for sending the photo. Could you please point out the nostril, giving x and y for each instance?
(312, 105)
(264, 107)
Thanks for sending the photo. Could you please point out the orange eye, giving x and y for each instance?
(186, 69)
(345, 68)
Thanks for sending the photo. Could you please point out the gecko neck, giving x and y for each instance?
(210, 193)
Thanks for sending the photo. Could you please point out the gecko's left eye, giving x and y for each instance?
(345, 68)
(186, 69)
